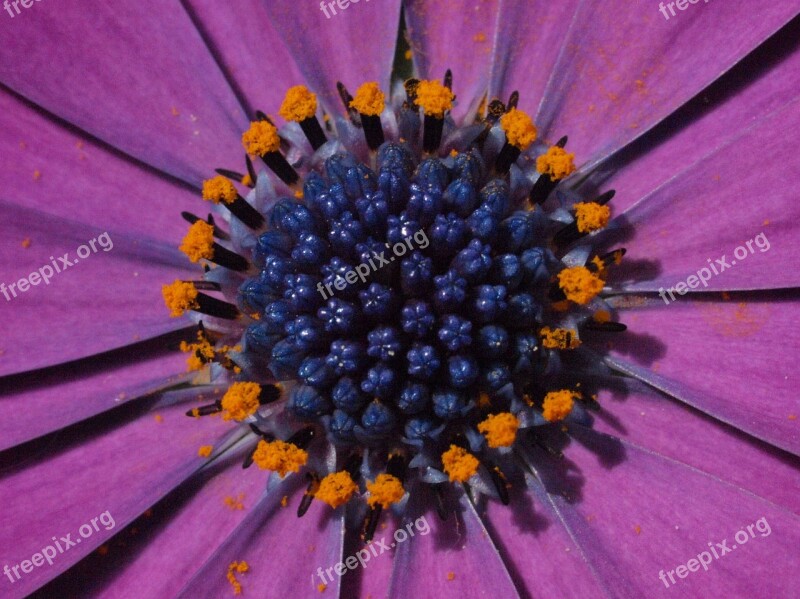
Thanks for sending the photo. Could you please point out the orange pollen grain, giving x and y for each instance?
(500, 429)
(199, 242)
(459, 464)
(205, 451)
(299, 104)
(233, 569)
(369, 99)
(559, 338)
(519, 128)
(219, 189)
(579, 284)
(279, 456)
(240, 401)
(556, 162)
(591, 216)
(179, 297)
(385, 490)
(558, 404)
(336, 489)
(434, 98)
(261, 138)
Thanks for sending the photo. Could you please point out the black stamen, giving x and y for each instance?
(396, 466)
(371, 523)
(448, 79)
(544, 184)
(205, 410)
(314, 133)
(346, 99)
(242, 210)
(215, 307)
(250, 170)
(411, 86)
(441, 508)
(373, 130)
(499, 480)
(353, 466)
(228, 259)
(308, 496)
(303, 437)
(233, 175)
(605, 327)
(260, 116)
(513, 100)
(432, 136)
(508, 156)
(269, 394)
(206, 285)
(561, 143)
(281, 167)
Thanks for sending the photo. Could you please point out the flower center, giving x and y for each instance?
(403, 286)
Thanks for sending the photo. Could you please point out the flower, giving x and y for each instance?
(652, 453)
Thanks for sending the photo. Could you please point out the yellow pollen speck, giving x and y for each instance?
(637, 529)
(435, 98)
(299, 104)
(579, 284)
(500, 429)
(558, 404)
(336, 489)
(26, 243)
(247, 180)
(559, 338)
(233, 569)
(408, 54)
(556, 162)
(200, 353)
(205, 451)
(369, 99)
(219, 189)
(451, 576)
(234, 503)
(279, 456)
(199, 242)
(602, 316)
(484, 401)
(792, 417)
(385, 490)
(158, 418)
(519, 128)
(299, 194)
(37, 174)
(321, 587)
(240, 401)
(459, 464)
(479, 37)
(174, 111)
(179, 297)
(591, 216)
(261, 138)
(284, 501)
(195, 413)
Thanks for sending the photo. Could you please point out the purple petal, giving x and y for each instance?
(529, 37)
(649, 420)
(762, 83)
(92, 471)
(459, 548)
(354, 45)
(623, 71)
(282, 550)
(42, 402)
(724, 197)
(436, 28)
(60, 171)
(183, 531)
(137, 76)
(78, 313)
(635, 513)
(243, 40)
(701, 352)
(537, 548)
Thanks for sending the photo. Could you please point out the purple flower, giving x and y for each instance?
(406, 303)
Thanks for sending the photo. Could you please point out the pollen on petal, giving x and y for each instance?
(336, 489)
(459, 464)
(261, 138)
(559, 338)
(500, 429)
(199, 242)
(558, 404)
(579, 284)
(247, 180)
(591, 216)
(200, 353)
(240, 401)
(205, 450)
(179, 297)
(435, 98)
(385, 490)
(219, 189)
(299, 104)
(279, 456)
(369, 99)
(519, 128)
(237, 568)
(556, 162)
